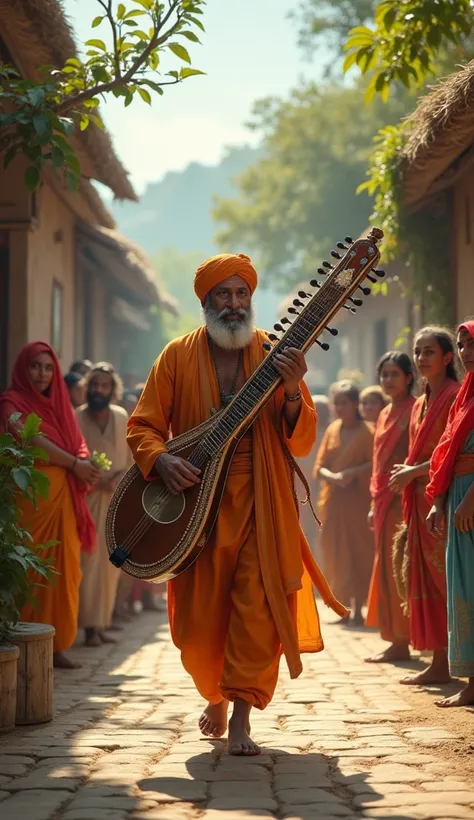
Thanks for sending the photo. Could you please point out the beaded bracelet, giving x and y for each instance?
(296, 397)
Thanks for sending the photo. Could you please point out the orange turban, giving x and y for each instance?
(221, 267)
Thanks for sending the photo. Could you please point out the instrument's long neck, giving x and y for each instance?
(259, 388)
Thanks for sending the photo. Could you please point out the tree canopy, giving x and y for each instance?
(37, 119)
(299, 199)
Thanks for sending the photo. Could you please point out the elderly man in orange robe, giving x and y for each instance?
(248, 598)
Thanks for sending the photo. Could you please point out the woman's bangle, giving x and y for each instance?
(296, 397)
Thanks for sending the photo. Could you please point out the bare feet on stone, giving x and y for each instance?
(213, 721)
(436, 673)
(395, 652)
(239, 741)
(104, 638)
(61, 661)
(463, 698)
(92, 638)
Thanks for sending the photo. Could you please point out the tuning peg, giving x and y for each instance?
(322, 272)
(332, 330)
(379, 273)
(272, 337)
(349, 240)
(278, 327)
(328, 265)
(285, 321)
(371, 278)
(356, 301)
(298, 303)
(293, 310)
(322, 345)
(303, 294)
(336, 255)
(349, 308)
(267, 346)
(314, 283)
(365, 291)
(341, 246)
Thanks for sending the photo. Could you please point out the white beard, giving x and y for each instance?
(229, 335)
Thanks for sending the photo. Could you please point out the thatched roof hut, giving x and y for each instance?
(36, 32)
(441, 131)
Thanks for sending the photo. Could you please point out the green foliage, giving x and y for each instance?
(18, 555)
(422, 237)
(38, 119)
(406, 40)
(300, 198)
(327, 22)
(101, 461)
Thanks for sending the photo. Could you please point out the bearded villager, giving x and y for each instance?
(63, 517)
(248, 598)
(104, 426)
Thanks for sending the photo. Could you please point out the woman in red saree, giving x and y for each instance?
(384, 610)
(423, 570)
(343, 465)
(38, 387)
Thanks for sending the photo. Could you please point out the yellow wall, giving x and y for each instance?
(51, 257)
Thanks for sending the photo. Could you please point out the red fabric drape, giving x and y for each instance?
(420, 434)
(460, 423)
(59, 424)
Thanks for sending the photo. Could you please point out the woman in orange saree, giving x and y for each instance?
(395, 372)
(343, 465)
(38, 387)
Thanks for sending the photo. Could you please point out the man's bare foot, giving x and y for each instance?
(239, 740)
(343, 621)
(437, 672)
(213, 721)
(104, 638)
(463, 698)
(60, 661)
(92, 638)
(395, 652)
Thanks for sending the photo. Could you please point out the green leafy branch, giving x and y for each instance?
(18, 555)
(38, 119)
(407, 37)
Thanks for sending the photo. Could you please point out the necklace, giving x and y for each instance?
(226, 398)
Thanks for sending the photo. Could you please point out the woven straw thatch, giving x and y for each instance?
(37, 33)
(441, 129)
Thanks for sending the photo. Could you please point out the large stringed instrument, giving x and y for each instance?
(155, 535)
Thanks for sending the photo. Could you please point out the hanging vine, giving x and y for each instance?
(421, 238)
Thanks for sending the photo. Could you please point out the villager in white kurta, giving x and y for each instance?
(100, 578)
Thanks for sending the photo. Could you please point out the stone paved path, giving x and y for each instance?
(343, 741)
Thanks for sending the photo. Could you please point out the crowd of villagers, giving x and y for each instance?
(83, 413)
(395, 482)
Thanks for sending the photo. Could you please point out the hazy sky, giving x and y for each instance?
(249, 51)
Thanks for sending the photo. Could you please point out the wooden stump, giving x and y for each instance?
(8, 680)
(34, 701)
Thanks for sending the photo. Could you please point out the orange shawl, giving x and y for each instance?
(286, 560)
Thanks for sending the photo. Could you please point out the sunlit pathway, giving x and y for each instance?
(343, 741)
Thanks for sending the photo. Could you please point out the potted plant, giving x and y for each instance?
(18, 554)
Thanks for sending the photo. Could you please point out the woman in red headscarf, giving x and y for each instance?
(38, 387)
(451, 490)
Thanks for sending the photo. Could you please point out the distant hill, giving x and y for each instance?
(175, 212)
(173, 221)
